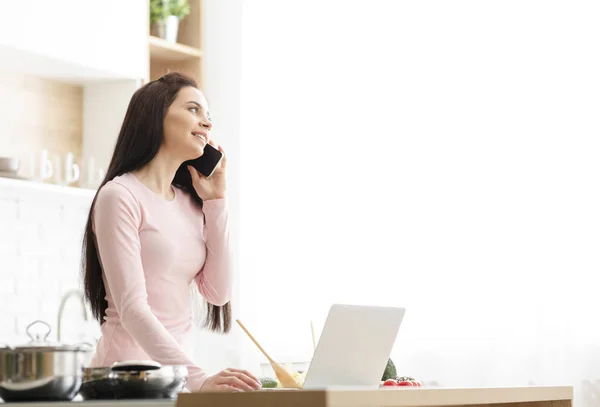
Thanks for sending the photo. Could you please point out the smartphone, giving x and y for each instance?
(207, 162)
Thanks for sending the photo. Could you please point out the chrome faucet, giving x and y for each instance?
(63, 301)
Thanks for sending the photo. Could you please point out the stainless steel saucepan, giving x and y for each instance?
(133, 380)
(40, 370)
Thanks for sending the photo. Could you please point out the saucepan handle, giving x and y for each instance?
(135, 366)
(38, 337)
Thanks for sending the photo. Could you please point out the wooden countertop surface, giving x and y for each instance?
(535, 396)
(546, 396)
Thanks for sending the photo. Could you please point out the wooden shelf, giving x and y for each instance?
(185, 56)
(166, 52)
(14, 188)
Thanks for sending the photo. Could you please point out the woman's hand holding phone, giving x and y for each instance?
(214, 186)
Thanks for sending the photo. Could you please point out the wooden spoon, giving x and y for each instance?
(285, 378)
(312, 331)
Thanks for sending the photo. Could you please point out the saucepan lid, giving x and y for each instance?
(134, 369)
(39, 341)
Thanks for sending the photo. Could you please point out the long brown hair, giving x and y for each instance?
(139, 140)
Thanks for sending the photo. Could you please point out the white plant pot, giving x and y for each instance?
(171, 28)
(158, 29)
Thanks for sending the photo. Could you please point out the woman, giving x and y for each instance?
(155, 227)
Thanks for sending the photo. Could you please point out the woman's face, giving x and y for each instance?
(187, 125)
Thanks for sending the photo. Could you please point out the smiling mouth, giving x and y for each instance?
(200, 136)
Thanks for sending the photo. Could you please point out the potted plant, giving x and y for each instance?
(165, 16)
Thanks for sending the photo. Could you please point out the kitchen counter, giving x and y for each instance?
(534, 396)
(99, 403)
(538, 396)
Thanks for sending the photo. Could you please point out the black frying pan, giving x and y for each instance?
(133, 380)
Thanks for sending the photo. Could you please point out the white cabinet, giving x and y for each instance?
(76, 40)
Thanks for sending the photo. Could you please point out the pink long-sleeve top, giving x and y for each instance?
(151, 251)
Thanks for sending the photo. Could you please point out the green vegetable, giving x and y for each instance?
(268, 382)
(390, 371)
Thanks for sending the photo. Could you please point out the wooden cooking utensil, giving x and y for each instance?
(285, 378)
(312, 331)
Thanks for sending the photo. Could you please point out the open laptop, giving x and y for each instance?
(354, 347)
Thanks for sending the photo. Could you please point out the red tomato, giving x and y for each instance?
(407, 381)
(390, 382)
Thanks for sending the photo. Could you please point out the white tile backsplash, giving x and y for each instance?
(41, 230)
(8, 325)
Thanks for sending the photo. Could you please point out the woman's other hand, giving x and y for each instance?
(230, 380)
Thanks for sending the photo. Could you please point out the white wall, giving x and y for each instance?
(222, 45)
(41, 229)
(436, 155)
